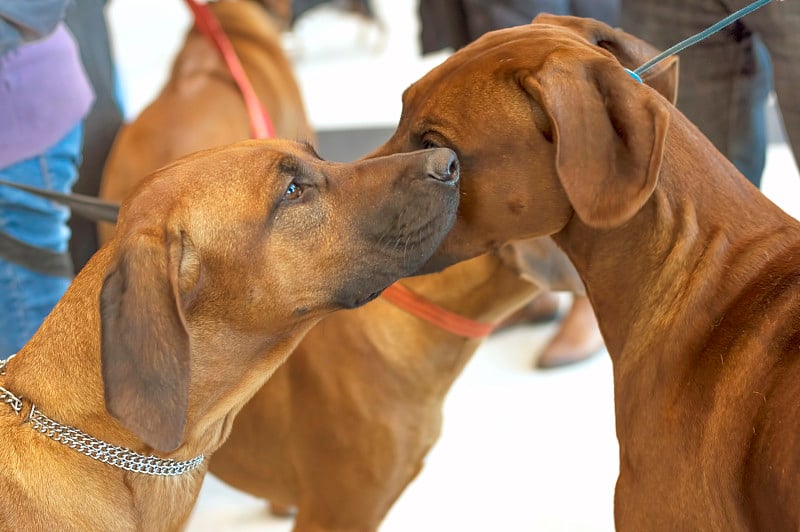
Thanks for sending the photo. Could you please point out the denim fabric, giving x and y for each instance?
(26, 297)
(748, 132)
(725, 80)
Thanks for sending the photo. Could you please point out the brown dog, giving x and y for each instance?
(344, 426)
(693, 272)
(220, 263)
(201, 107)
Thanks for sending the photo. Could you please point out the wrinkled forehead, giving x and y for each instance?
(537, 40)
(498, 54)
(219, 178)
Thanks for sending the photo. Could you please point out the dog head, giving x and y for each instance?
(547, 124)
(237, 16)
(241, 249)
(281, 11)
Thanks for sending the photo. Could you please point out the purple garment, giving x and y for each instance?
(44, 93)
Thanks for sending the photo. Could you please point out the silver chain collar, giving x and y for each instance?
(101, 451)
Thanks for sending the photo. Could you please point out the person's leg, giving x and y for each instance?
(484, 15)
(603, 10)
(578, 337)
(722, 84)
(443, 24)
(777, 25)
(27, 295)
(748, 148)
(87, 21)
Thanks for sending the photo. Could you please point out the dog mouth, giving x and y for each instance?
(410, 240)
(356, 300)
(392, 257)
(415, 239)
(364, 300)
(397, 244)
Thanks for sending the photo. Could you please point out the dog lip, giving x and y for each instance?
(370, 297)
(359, 301)
(452, 183)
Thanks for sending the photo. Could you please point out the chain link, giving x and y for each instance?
(99, 450)
(4, 362)
(5, 396)
(11, 400)
(105, 452)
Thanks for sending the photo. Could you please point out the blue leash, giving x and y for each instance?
(694, 39)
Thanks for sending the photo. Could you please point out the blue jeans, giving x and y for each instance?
(26, 296)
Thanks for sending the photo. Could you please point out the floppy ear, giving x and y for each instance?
(145, 347)
(609, 133)
(629, 50)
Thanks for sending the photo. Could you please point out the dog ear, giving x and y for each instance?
(145, 346)
(609, 133)
(629, 50)
(281, 11)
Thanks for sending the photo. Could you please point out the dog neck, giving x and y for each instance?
(257, 41)
(677, 254)
(233, 376)
(483, 289)
(249, 28)
(59, 368)
(249, 20)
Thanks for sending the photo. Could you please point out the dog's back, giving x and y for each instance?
(201, 106)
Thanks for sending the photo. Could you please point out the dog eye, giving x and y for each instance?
(293, 191)
(427, 143)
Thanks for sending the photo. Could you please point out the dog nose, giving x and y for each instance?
(443, 166)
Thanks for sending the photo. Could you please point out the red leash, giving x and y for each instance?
(209, 25)
(417, 305)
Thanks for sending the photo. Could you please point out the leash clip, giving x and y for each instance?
(634, 75)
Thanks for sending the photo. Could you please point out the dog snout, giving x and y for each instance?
(442, 165)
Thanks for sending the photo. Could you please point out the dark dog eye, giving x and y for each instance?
(293, 191)
(428, 143)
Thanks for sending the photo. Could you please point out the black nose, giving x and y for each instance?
(443, 165)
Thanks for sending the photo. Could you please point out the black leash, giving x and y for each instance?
(88, 207)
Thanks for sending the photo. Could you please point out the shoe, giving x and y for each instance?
(541, 309)
(578, 337)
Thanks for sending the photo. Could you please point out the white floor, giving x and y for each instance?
(521, 450)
